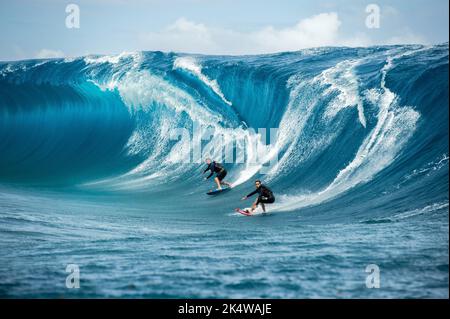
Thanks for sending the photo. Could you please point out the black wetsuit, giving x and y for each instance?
(265, 195)
(216, 168)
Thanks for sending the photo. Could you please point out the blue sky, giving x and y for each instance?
(30, 29)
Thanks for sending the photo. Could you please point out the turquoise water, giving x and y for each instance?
(86, 175)
(154, 252)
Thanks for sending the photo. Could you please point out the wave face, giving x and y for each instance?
(366, 125)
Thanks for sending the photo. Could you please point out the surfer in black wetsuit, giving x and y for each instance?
(220, 173)
(265, 196)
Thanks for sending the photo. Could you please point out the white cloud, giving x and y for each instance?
(49, 54)
(183, 35)
(188, 36)
(315, 31)
(319, 30)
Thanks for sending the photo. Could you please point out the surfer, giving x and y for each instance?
(265, 196)
(220, 171)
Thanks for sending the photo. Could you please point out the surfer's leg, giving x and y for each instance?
(263, 207)
(264, 200)
(255, 204)
(221, 176)
(216, 179)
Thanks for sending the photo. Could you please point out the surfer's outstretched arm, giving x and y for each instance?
(251, 194)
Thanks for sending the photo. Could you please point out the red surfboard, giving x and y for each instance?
(243, 212)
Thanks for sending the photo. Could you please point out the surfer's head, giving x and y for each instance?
(208, 161)
(258, 183)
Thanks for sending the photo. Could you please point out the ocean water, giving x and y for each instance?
(90, 175)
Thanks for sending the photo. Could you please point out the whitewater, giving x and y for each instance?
(91, 173)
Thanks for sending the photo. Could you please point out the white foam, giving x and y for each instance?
(144, 92)
(111, 59)
(395, 126)
(420, 211)
(428, 168)
(305, 98)
(190, 64)
(342, 79)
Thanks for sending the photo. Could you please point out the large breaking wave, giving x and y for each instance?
(366, 123)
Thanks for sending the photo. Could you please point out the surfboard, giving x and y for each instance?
(218, 191)
(245, 212)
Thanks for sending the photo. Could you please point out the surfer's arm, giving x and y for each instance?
(251, 194)
(209, 168)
